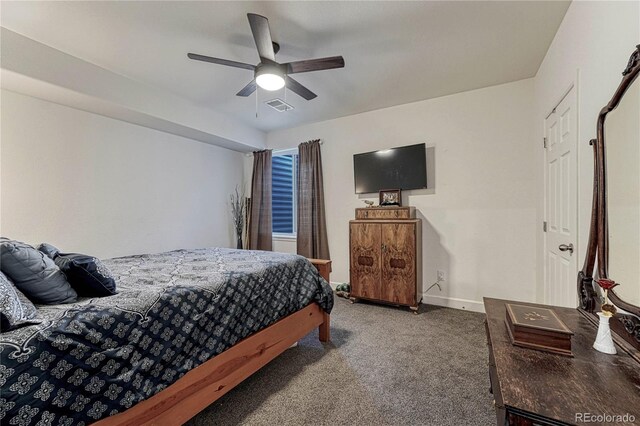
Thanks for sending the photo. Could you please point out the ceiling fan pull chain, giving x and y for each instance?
(257, 91)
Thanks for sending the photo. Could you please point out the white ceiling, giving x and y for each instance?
(395, 52)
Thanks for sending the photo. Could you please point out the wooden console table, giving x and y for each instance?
(532, 387)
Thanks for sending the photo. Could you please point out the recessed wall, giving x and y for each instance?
(91, 184)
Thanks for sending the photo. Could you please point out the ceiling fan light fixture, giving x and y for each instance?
(269, 77)
(270, 81)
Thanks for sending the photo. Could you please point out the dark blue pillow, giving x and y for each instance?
(87, 275)
(49, 250)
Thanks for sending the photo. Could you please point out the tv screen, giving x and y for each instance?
(396, 168)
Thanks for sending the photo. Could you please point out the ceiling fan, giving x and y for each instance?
(269, 74)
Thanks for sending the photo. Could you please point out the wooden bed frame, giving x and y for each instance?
(208, 382)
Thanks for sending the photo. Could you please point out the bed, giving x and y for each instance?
(184, 329)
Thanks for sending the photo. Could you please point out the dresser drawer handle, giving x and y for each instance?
(365, 260)
(397, 263)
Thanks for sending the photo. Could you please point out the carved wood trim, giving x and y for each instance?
(586, 292)
(627, 326)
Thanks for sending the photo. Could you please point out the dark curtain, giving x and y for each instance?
(260, 232)
(312, 229)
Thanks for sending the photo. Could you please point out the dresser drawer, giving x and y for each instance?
(386, 213)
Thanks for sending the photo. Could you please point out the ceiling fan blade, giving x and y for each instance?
(262, 36)
(221, 61)
(315, 64)
(298, 88)
(248, 89)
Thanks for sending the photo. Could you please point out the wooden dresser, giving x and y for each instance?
(386, 256)
(531, 387)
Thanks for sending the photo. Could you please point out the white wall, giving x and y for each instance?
(479, 219)
(590, 49)
(95, 185)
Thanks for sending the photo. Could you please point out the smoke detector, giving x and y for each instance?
(279, 105)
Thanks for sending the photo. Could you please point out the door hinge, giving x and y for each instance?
(544, 226)
(544, 142)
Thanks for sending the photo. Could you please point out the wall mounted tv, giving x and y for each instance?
(396, 168)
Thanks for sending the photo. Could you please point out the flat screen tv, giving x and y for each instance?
(396, 168)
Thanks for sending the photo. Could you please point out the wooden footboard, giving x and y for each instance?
(324, 268)
(208, 382)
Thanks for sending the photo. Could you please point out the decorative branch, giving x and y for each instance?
(238, 210)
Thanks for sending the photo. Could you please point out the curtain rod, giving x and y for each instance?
(249, 154)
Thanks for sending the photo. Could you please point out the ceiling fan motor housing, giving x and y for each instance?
(270, 68)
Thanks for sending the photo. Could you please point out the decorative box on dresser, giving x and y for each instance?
(386, 256)
(532, 387)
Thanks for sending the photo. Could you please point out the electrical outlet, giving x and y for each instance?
(440, 275)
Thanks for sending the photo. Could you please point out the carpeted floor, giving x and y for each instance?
(384, 366)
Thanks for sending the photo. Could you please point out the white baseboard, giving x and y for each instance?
(448, 302)
(452, 302)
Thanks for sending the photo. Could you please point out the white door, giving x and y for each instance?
(561, 203)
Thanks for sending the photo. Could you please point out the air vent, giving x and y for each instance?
(279, 105)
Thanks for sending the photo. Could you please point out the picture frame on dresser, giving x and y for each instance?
(390, 197)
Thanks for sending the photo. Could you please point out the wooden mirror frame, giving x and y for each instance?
(624, 325)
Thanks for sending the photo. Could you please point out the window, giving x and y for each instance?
(283, 196)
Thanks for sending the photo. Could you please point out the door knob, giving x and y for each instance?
(565, 247)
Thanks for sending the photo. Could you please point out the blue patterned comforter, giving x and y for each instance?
(174, 311)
